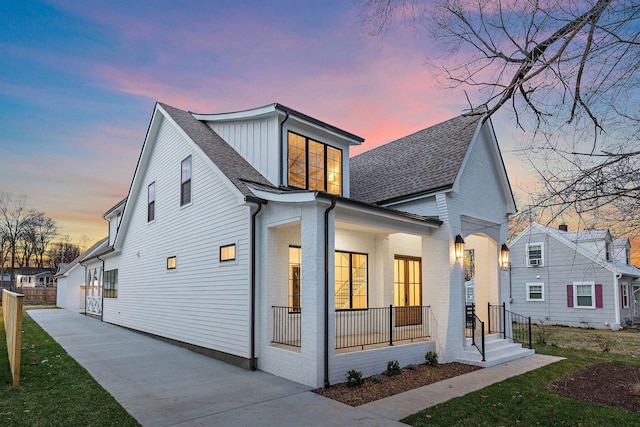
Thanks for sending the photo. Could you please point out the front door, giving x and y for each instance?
(408, 290)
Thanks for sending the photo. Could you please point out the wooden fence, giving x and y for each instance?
(12, 317)
(37, 295)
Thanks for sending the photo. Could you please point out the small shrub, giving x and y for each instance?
(431, 359)
(377, 378)
(542, 333)
(393, 368)
(412, 367)
(354, 378)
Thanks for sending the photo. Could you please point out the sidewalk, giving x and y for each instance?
(161, 384)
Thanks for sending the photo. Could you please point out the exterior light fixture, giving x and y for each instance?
(459, 246)
(504, 256)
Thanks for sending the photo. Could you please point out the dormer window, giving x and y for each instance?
(535, 254)
(607, 251)
(314, 165)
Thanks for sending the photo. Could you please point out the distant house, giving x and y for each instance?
(252, 236)
(581, 278)
(33, 277)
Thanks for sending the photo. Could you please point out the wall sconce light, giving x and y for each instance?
(459, 246)
(504, 257)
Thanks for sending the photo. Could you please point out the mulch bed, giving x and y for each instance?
(388, 386)
(605, 383)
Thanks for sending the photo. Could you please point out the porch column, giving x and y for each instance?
(313, 277)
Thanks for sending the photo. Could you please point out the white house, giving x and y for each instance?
(251, 236)
(582, 278)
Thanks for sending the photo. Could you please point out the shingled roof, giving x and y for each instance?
(423, 162)
(228, 160)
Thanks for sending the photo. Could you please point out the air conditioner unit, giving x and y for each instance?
(535, 262)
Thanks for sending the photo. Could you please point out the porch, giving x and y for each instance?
(357, 330)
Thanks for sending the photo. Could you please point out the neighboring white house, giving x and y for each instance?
(580, 278)
(251, 236)
(34, 277)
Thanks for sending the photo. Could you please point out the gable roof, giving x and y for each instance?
(388, 172)
(99, 245)
(228, 160)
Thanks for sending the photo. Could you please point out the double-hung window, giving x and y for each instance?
(185, 182)
(535, 291)
(110, 284)
(151, 202)
(535, 254)
(313, 165)
(351, 280)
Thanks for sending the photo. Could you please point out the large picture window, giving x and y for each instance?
(185, 181)
(351, 280)
(295, 278)
(314, 165)
(110, 284)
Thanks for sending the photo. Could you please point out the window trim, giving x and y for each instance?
(625, 300)
(151, 204)
(528, 258)
(593, 294)
(235, 253)
(529, 286)
(175, 263)
(350, 308)
(110, 283)
(291, 295)
(189, 181)
(324, 166)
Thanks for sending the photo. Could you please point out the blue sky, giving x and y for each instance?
(79, 80)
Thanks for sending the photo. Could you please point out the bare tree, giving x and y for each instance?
(41, 232)
(14, 222)
(62, 252)
(568, 70)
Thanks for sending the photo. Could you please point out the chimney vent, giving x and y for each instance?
(563, 227)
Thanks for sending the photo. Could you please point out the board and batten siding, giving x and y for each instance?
(202, 302)
(562, 266)
(256, 141)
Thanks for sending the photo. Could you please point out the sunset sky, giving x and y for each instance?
(79, 80)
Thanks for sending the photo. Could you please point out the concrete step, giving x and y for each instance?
(497, 351)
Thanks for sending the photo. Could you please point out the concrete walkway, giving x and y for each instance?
(161, 384)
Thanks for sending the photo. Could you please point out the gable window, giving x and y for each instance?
(228, 252)
(151, 202)
(351, 279)
(535, 291)
(171, 263)
(110, 284)
(607, 251)
(295, 278)
(535, 252)
(185, 182)
(314, 165)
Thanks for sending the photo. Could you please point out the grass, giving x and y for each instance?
(54, 389)
(526, 400)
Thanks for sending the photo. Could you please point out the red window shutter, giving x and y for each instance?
(569, 295)
(599, 296)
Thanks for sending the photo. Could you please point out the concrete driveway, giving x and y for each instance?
(161, 384)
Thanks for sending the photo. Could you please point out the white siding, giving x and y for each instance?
(201, 302)
(256, 141)
(70, 294)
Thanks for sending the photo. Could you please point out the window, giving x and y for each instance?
(607, 251)
(295, 278)
(110, 284)
(627, 253)
(185, 182)
(584, 295)
(228, 252)
(535, 291)
(314, 165)
(351, 279)
(151, 202)
(535, 252)
(624, 295)
(171, 263)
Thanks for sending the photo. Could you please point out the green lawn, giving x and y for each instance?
(526, 400)
(54, 389)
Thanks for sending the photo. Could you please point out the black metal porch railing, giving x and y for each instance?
(511, 325)
(359, 328)
(286, 326)
(475, 329)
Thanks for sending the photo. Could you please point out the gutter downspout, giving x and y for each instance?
(102, 291)
(252, 361)
(281, 155)
(616, 298)
(85, 288)
(326, 293)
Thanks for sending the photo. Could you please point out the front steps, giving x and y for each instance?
(497, 351)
